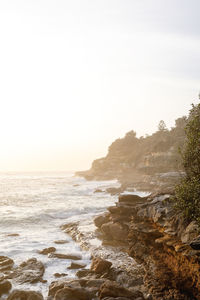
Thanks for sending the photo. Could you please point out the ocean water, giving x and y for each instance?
(35, 205)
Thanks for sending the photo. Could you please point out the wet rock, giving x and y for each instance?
(83, 273)
(61, 242)
(100, 220)
(5, 287)
(58, 275)
(100, 265)
(67, 289)
(47, 250)
(25, 295)
(113, 289)
(76, 266)
(65, 256)
(131, 199)
(6, 263)
(31, 271)
(70, 293)
(13, 234)
(98, 191)
(114, 191)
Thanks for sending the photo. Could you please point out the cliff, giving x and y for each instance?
(131, 159)
(160, 240)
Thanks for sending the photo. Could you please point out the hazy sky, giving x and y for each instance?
(76, 75)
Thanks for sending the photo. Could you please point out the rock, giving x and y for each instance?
(69, 293)
(65, 256)
(58, 275)
(190, 233)
(76, 266)
(13, 234)
(61, 242)
(83, 273)
(113, 190)
(5, 287)
(115, 231)
(131, 199)
(113, 289)
(98, 191)
(68, 289)
(30, 271)
(47, 250)
(195, 244)
(100, 265)
(25, 295)
(100, 220)
(6, 263)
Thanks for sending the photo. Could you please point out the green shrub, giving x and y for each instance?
(187, 192)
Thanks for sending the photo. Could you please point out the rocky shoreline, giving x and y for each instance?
(140, 248)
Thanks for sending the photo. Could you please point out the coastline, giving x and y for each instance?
(138, 247)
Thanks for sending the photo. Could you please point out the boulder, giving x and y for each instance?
(58, 275)
(5, 287)
(100, 265)
(76, 266)
(114, 190)
(25, 295)
(30, 271)
(113, 289)
(65, 256)
(100, 220)
(98, 191)
(47, 250)
(60, 242)
(70, 293)
(6, 263)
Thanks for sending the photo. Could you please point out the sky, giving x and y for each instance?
(77, 74)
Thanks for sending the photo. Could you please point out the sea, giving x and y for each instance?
(33, 206)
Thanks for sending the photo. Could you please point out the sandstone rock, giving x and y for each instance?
(13, 234)
(113, 289)
(65, 256)
(115, 230)
(47, 250)
(195, 244)
(98, 191)
(114, 191)
(190, 233)
(5, 287)
(83, 273)
(76, 266)
(6, 263)
(30, 271)
(69, 293)
(61, 242)
(25, 295)
(58, 275)
(68, 289)
(131, 199)
(100, 220)
(100, 265)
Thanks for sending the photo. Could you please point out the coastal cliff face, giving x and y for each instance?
(133, 160)
(160, 240)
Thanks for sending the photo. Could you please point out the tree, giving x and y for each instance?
(162, 126)
(187, 193)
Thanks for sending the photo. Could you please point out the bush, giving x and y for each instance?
(187, 192)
